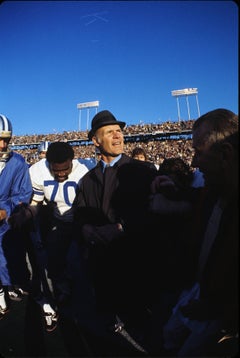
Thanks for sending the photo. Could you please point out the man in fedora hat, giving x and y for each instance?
(110, 215)
(101, 119)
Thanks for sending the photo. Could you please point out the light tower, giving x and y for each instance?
(86, 105)
(186, 92)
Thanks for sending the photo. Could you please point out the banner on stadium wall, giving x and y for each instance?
(88, 104)
(185, 92)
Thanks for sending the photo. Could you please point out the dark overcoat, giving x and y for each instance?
(118, 263)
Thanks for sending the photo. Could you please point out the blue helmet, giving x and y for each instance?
(5, 127)
(43, 146)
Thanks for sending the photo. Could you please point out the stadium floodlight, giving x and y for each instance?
(86, 105)
(185, 92)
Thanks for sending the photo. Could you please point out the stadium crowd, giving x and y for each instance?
(156, 150)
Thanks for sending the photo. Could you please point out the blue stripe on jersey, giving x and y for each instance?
(38, 192)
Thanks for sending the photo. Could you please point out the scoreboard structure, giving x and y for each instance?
(87, 106)
(186, 92)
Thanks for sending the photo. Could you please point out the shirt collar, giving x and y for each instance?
(114, 161)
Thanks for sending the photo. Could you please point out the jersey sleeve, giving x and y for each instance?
(36, 171)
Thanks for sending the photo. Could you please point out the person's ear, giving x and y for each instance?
(95, 141)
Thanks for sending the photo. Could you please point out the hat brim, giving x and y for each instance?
(108, 123)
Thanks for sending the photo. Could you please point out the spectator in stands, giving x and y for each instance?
(206, 315)
(15, 192)
(42, 149)
(109, 219)
(139, 153)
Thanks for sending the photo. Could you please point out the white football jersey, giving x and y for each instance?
(62, 194)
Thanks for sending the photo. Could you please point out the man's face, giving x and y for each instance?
(61, 171)
(109, 140)
(207, 158)
(4, 144)
(140, 157)
(42, 155)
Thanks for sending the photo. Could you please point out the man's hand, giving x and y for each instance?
(3, 214)
(20, 218)
(95, 235)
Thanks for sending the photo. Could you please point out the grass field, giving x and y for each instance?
(12, 335)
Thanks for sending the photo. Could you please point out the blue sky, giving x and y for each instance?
(128, 55)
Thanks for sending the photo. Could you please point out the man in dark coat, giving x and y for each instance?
(205, 319)
(111, 231)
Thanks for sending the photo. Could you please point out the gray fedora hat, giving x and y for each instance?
(101, 119)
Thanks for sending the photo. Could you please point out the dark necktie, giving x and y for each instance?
(107, 188)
